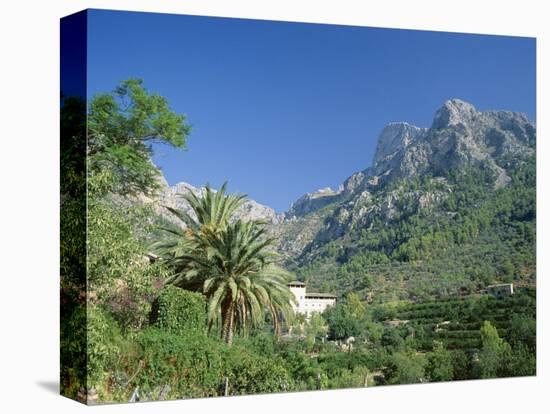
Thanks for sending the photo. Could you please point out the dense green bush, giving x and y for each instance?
(103, 344)
(250, 373)
(190, 364)
(405, 368)
(73, 350)
(180, 311)
(440, 364)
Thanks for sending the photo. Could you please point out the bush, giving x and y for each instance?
(250, 373)
(103, 336)
(190, 364)
(405, 368)
(73, 350)
(440, 364)
(180, 311)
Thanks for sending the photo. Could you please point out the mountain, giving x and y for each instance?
(170, 196)
(444, 210)
(425, 187)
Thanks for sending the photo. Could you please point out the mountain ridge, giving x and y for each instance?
(429, 194)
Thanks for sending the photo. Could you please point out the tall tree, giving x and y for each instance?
(495, 352)
(122, 126)
(231, 263)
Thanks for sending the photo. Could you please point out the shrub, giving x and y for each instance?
(103, 336)
(250, 373)
(405, 368)
(190, 364)
(180, 311)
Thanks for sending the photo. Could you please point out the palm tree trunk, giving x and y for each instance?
(227, 327)
(229, 339)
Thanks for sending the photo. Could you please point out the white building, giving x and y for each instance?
(307, 303)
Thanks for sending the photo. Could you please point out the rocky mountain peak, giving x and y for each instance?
(314, 201)
(395, 137)
(453, 112)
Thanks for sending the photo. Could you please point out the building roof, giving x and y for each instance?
(296, 283)
(321, 295)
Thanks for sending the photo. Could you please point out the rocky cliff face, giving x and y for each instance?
(313, 201)
(460, 136)
(394, 139)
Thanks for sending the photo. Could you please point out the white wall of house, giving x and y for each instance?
(309, 303)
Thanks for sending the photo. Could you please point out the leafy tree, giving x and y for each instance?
(440, 364)
(495, 352)
(355, 308)
(341, 324)
(348, 319)
(392, 340)
(120, 276)
(405, 368)
(463, 366)
(298, 323)
(73, 245)
(523, 331)
(122, 126)
(523, 362)
(315, 328)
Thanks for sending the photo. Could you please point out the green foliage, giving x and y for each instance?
(440, 364)
(347, 319)
(122, 125)
(405, 368)
(102, 335)
(315, 328)
(119, 273)
(181, 311)
(392, 340)
(73, 245)
(522, 331)
(341, 325)
(250, 373)
(190, 364)
(73, 346)
(494, 354)
(231, 263)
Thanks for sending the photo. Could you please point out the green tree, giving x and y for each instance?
(315, 328)
(120, 275)
(392, 339)
(495, 352)
(122, 126)
(231, 263)
(178, 311)
(405, 368)
(523, 331)
(341, 324)
(347, 319)
(440, 363)
(355, 308)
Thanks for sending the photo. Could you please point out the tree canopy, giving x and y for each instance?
(122, 126)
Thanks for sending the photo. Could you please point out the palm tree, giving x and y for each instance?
(211, 211)
(231, 263)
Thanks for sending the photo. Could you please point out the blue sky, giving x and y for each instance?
(280, 109)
